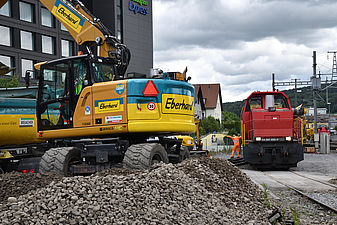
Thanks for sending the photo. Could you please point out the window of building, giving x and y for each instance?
(48, 44)
(6, 9)
(67, 48)
(26, 12)
(26, 64)
(63, 27)
(27, 40)
(47, 19)
(6, 36)
(8, 61)
(119, 21)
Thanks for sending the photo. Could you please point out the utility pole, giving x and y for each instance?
(316, 86)
(296, 103)
(334, 65)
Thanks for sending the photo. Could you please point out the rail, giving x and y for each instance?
(307, 195)
(312, 198)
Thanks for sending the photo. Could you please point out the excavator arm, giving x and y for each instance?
(87, 30)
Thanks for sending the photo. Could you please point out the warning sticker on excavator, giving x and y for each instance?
(68, 16)
(109, 105)
(113, 119)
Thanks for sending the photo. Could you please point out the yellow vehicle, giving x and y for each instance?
(188, 143)
(88, 116)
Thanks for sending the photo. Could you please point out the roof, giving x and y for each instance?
(210, 93)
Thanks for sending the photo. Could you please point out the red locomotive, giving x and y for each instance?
(270, 138)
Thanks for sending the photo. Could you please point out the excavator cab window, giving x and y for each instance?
(80, 69)
(54, 102)
(103, 70)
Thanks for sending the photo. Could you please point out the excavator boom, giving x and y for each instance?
(87, 30)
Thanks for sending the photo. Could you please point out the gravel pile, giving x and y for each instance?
(15, 184)
(197, 191)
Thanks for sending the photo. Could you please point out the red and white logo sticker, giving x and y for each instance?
(151, 106)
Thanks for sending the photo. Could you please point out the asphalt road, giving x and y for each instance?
(319, 167)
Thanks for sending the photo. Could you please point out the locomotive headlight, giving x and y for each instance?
(288, 138)
(258, 139)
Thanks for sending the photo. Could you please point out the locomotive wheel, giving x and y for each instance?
(58, 160)
(143, 156)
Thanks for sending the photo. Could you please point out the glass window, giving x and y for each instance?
(47, 19)
(119, 20)
(254, 103)
(26, 64)
(103, 72)
(80, 74)
(26, 11)
(63, 27)
(67, 48)
(26, 40)
(281, 102)
(7, 61)
(6, 9)
(47, 44)
(55, 107)
(6, 37)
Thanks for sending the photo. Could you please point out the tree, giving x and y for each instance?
(231, 122)
(209, 125)
(9, 82)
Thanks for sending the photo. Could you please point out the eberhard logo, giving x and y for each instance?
(178, 104)
(68, 16)
(107, 106)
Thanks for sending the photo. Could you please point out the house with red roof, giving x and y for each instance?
(211, 103)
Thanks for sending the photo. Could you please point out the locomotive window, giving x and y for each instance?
(254, 103)
(281, 102)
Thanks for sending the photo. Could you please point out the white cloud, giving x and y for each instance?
(240, 43)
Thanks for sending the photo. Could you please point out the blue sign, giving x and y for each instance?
(120, 89)
(87, 110)
(137, 9)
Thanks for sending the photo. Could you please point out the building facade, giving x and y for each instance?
(31, 34)
(212, 100)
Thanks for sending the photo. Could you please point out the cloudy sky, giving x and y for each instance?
(240, 43)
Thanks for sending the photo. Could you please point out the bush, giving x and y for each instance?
(231, 123)
(209, 125)
(9, 82)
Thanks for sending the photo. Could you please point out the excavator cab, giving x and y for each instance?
(61, 83)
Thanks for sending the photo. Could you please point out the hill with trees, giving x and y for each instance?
(304, 96)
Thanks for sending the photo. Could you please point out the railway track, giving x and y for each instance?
(325, 199)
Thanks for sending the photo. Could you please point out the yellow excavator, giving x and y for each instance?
(88, 116)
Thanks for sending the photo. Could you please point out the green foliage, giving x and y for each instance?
(209, 125)
(233, 107)
(265, 196)
(231, 122)
(304, 97)
(9, 82)
(336, 128)
(295, 214)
